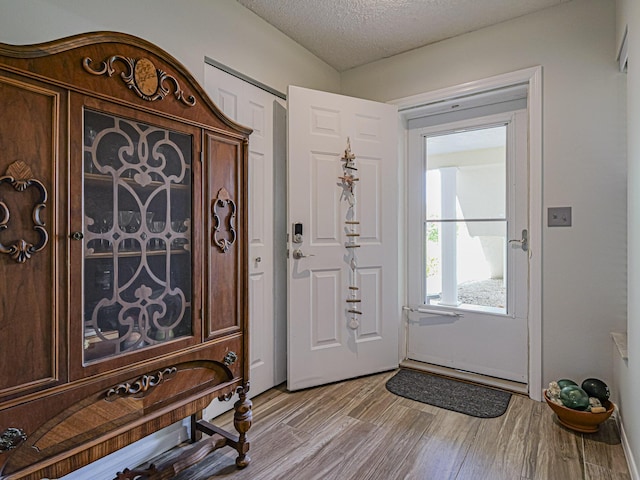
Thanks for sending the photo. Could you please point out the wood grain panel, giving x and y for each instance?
(603, 448)
(557, 451)
(597, 472)
(357, 429)
(502, 455)
(29, 325)
(224, 165)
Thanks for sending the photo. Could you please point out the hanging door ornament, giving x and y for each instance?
(347, 183)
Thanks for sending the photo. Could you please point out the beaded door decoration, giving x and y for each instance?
(347, 183)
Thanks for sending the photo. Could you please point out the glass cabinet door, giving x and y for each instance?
(137, 235)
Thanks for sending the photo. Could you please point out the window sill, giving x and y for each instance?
(620, 340)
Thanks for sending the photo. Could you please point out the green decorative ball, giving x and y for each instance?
(572, 396)
(565, 382)
(596, 388)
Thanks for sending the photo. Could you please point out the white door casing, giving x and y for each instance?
(531, 77)
(254, 107)
(490, 344)
(322, 347)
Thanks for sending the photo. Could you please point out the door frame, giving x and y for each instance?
(532, 77)
(470, 343)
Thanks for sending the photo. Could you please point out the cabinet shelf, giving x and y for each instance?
(98, 179)
(133, 254)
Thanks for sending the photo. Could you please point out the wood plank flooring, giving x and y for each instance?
(357, 430)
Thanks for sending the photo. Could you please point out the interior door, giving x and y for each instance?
(468, 210)
(343, 298)
(254, 107)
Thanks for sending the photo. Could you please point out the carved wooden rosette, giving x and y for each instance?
(140, 386)
(224, 199)
(142, 77)
(19, 176)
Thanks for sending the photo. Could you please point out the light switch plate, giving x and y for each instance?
(559, 217)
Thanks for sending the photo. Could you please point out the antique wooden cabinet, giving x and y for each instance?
(123, 219)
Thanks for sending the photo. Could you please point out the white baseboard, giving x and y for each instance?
(133, 455)
(631, 463)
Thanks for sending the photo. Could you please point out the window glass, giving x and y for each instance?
(465, 225)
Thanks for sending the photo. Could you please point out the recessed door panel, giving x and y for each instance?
(257, 312)
(325, 204)
(325, 308)
(369, 206)
(370, 283)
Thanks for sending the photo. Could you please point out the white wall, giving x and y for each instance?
(584, 273)
(189, 30)
(629, 14)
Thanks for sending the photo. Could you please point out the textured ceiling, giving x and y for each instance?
(348, 33)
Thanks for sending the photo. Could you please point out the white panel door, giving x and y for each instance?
(327, 341)
(253, 107)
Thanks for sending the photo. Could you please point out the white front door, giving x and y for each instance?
(344, 310)
(254, 107)
(468, 274)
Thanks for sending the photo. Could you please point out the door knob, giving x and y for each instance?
(524, 241)
(298, 254)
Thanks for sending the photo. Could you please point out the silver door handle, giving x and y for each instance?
(297, 254)
(524, 241)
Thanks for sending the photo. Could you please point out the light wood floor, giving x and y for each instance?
(357, 430)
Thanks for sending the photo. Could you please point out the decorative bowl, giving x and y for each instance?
(585, 422)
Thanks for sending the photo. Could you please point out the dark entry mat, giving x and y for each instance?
(467, 398)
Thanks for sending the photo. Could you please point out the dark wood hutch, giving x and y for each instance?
(123, 252)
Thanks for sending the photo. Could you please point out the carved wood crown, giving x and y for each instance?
(135, 59)
(142, 77)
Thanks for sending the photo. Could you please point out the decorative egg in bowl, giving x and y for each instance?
(580, 421)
